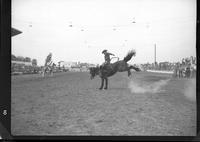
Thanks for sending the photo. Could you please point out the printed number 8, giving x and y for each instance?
(4, 112)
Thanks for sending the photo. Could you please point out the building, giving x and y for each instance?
(68, 64)
(92, 65)
(22, 63)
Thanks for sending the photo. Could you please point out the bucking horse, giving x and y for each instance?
(105, 71)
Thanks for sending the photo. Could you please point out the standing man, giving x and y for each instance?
(183, 61)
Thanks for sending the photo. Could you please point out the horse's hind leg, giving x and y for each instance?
(129, 70)
(135, 68)
(102, 83)
(131, 67)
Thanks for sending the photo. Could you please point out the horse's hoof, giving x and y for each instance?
(100, 88)
(105, 88)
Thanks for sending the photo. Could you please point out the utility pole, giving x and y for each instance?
(155, 57)
(155, 53)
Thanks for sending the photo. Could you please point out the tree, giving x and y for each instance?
(20, 58)
(34, 62)
(27, 59)
(13, 57)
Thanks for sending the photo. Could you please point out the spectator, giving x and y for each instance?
(183, 61)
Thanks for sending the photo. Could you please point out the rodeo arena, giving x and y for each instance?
(117, 99)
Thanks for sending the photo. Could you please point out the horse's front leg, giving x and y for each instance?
(106, 87)
(102, 83)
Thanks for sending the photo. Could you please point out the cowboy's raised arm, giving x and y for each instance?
(111, 54)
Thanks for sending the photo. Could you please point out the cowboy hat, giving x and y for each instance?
(104, 51)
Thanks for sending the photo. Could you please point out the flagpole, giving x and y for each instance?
(155, 53)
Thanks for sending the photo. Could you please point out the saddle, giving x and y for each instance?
(106, 67)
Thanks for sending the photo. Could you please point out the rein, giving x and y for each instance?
(115, 57)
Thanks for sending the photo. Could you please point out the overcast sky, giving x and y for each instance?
(115, 25)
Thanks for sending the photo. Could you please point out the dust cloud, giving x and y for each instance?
(150, 88)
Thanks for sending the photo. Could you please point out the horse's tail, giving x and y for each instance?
(129, 55)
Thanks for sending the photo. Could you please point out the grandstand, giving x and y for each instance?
(22, 63)
(19, 66)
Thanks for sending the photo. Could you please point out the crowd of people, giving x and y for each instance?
(184, 68)
(24, 69)
(21, 66)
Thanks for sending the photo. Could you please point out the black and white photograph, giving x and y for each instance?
(103, 68)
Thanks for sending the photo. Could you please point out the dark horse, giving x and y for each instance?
(106, 71)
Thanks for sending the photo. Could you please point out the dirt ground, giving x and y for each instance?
(70, 104)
